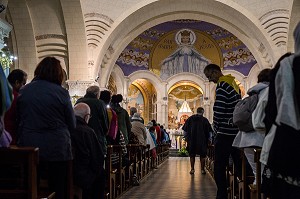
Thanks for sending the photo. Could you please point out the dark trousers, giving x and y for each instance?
(97, 190)
(56, 174)
(223, 149)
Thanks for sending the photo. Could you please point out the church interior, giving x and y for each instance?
(152, 52)
(131, 47)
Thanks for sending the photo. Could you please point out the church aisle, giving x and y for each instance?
(173, 181)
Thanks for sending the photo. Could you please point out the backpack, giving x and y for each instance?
(242, 114)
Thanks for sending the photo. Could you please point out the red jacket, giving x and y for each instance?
(158, 133)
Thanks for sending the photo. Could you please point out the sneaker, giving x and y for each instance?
(192, 171)
(203, 171)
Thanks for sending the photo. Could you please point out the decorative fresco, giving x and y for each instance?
(136, 99)
(185, 46)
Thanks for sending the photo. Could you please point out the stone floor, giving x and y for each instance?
(173, 181)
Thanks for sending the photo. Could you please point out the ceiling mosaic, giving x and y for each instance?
(185, 92)
(185, 46)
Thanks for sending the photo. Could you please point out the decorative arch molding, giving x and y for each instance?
(136, 21)
(152, 78)
(186, 77)
(118, 76)
(252, 77)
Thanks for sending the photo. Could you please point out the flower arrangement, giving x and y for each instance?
(183, 152)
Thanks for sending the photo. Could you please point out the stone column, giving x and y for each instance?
(206, 101)
(164, 106)
(125, 92)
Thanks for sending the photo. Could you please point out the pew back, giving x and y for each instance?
(18, 172)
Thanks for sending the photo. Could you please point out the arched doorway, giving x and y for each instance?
(183, 99)
(143, 96)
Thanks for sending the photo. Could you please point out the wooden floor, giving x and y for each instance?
(173, 181)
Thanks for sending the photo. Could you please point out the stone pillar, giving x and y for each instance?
(207, 101)
(125, 92)
(164, 106)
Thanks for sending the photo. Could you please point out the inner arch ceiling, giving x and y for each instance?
(162, 48)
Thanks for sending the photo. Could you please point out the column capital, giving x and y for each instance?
(78, 87)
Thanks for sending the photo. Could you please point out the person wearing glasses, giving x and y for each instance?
(227, 95)
(87, 151)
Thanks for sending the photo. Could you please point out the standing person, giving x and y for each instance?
(88, 155)
(138, 129)
(133, 110)
(105, 96)
(45, 119)
(157, 130)
(98, 121)
(17, 79)
(198, 129)
(280, 151)
(227, 96)
(124, 125)
(255, 138)
(153, 150)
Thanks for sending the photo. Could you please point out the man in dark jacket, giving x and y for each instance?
(198, 131)
(99, 119)
(88, 156)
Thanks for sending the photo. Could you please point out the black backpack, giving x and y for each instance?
(242, 114)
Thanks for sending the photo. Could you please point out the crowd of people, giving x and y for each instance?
(276, 123)
(40, 114)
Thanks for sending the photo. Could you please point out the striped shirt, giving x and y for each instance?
(226, 99)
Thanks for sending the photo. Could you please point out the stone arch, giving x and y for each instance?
(152, 78)
(118, 76)
(186, 77)
(136, 21)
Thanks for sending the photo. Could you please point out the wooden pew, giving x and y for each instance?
(133, 158)
(19, 175)
(19, 166)
(146, 159)
(111, 173)
(209, 161)
(255, 191)
(242, 182)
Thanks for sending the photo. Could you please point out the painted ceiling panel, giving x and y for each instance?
(185, 46)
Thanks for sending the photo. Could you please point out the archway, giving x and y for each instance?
(184, 97)
(143, 96)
